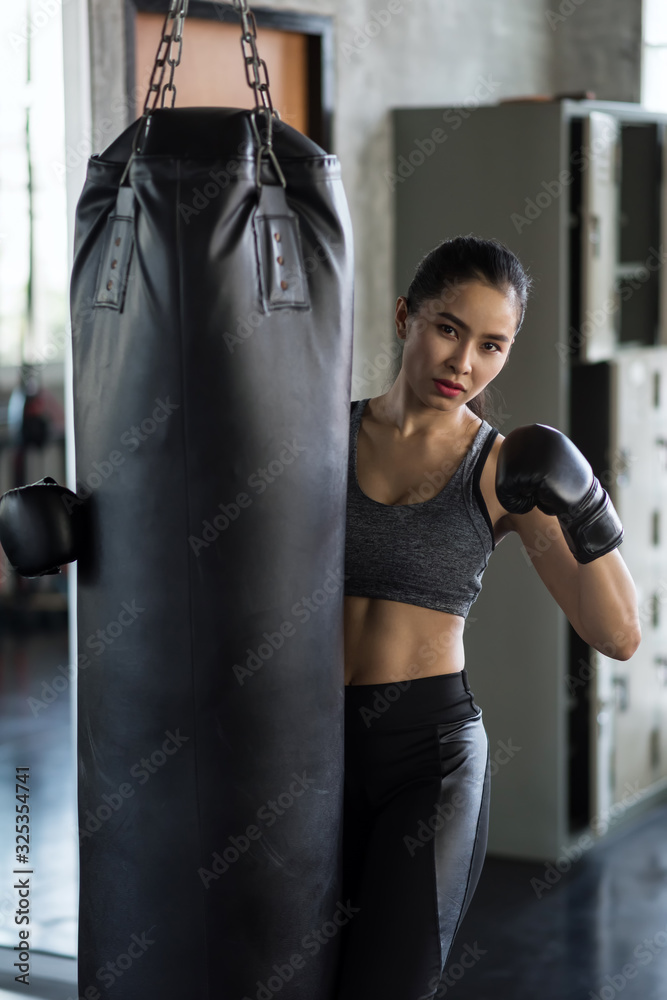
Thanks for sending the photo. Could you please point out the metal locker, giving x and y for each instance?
(636, 756)
(599, 233)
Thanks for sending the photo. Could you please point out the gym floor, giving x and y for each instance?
(591, 932)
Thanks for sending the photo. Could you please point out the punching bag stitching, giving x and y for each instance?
(117, 255)
(184, 410)
(258, 260)
(282, 276)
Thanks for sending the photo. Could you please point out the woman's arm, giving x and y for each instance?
(599, 597)
(563, 514)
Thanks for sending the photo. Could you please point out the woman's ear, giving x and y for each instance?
(401, 316)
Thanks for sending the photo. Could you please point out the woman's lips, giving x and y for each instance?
(447, 388)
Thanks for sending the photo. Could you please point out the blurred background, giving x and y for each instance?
(543, 124)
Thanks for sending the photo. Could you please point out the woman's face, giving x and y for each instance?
(464, 336)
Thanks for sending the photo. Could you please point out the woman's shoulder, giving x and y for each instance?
(500, 516)
(491, 431)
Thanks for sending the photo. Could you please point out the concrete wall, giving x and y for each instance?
(597, 47)
(429, 52)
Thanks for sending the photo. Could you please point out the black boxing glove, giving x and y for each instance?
(540, 467)
(40, 527)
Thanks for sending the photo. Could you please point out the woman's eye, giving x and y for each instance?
(489, 343)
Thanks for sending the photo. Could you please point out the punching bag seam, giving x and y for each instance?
(184, 408)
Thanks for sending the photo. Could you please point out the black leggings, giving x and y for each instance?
(415, 825)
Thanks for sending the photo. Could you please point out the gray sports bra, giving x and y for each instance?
(432, 553)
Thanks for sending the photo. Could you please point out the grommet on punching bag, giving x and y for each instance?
(211, 302)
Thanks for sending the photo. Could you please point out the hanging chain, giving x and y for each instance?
(251, 56)
(172, 35)
(259, 82)
(169, 52)
(175, 38)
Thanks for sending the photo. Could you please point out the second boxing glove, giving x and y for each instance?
(40, 527)
(538, 466)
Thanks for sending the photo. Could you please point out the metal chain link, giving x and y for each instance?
(172, 36)
(259, 83)
(176, 37)
(176, 14)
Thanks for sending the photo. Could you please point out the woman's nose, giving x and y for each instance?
(461, 357)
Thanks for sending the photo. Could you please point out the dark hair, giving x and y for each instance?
(466, 258)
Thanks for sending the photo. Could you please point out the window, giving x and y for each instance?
(654, 55)
(33, 227)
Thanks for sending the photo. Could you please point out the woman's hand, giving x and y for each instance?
(540, 467)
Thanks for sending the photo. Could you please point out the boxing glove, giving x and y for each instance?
(540, 467)
(40, 527)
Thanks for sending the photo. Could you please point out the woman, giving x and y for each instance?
(430, 495)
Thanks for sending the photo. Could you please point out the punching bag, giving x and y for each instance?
(211, 304)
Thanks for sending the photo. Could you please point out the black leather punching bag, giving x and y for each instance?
(212, 343)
